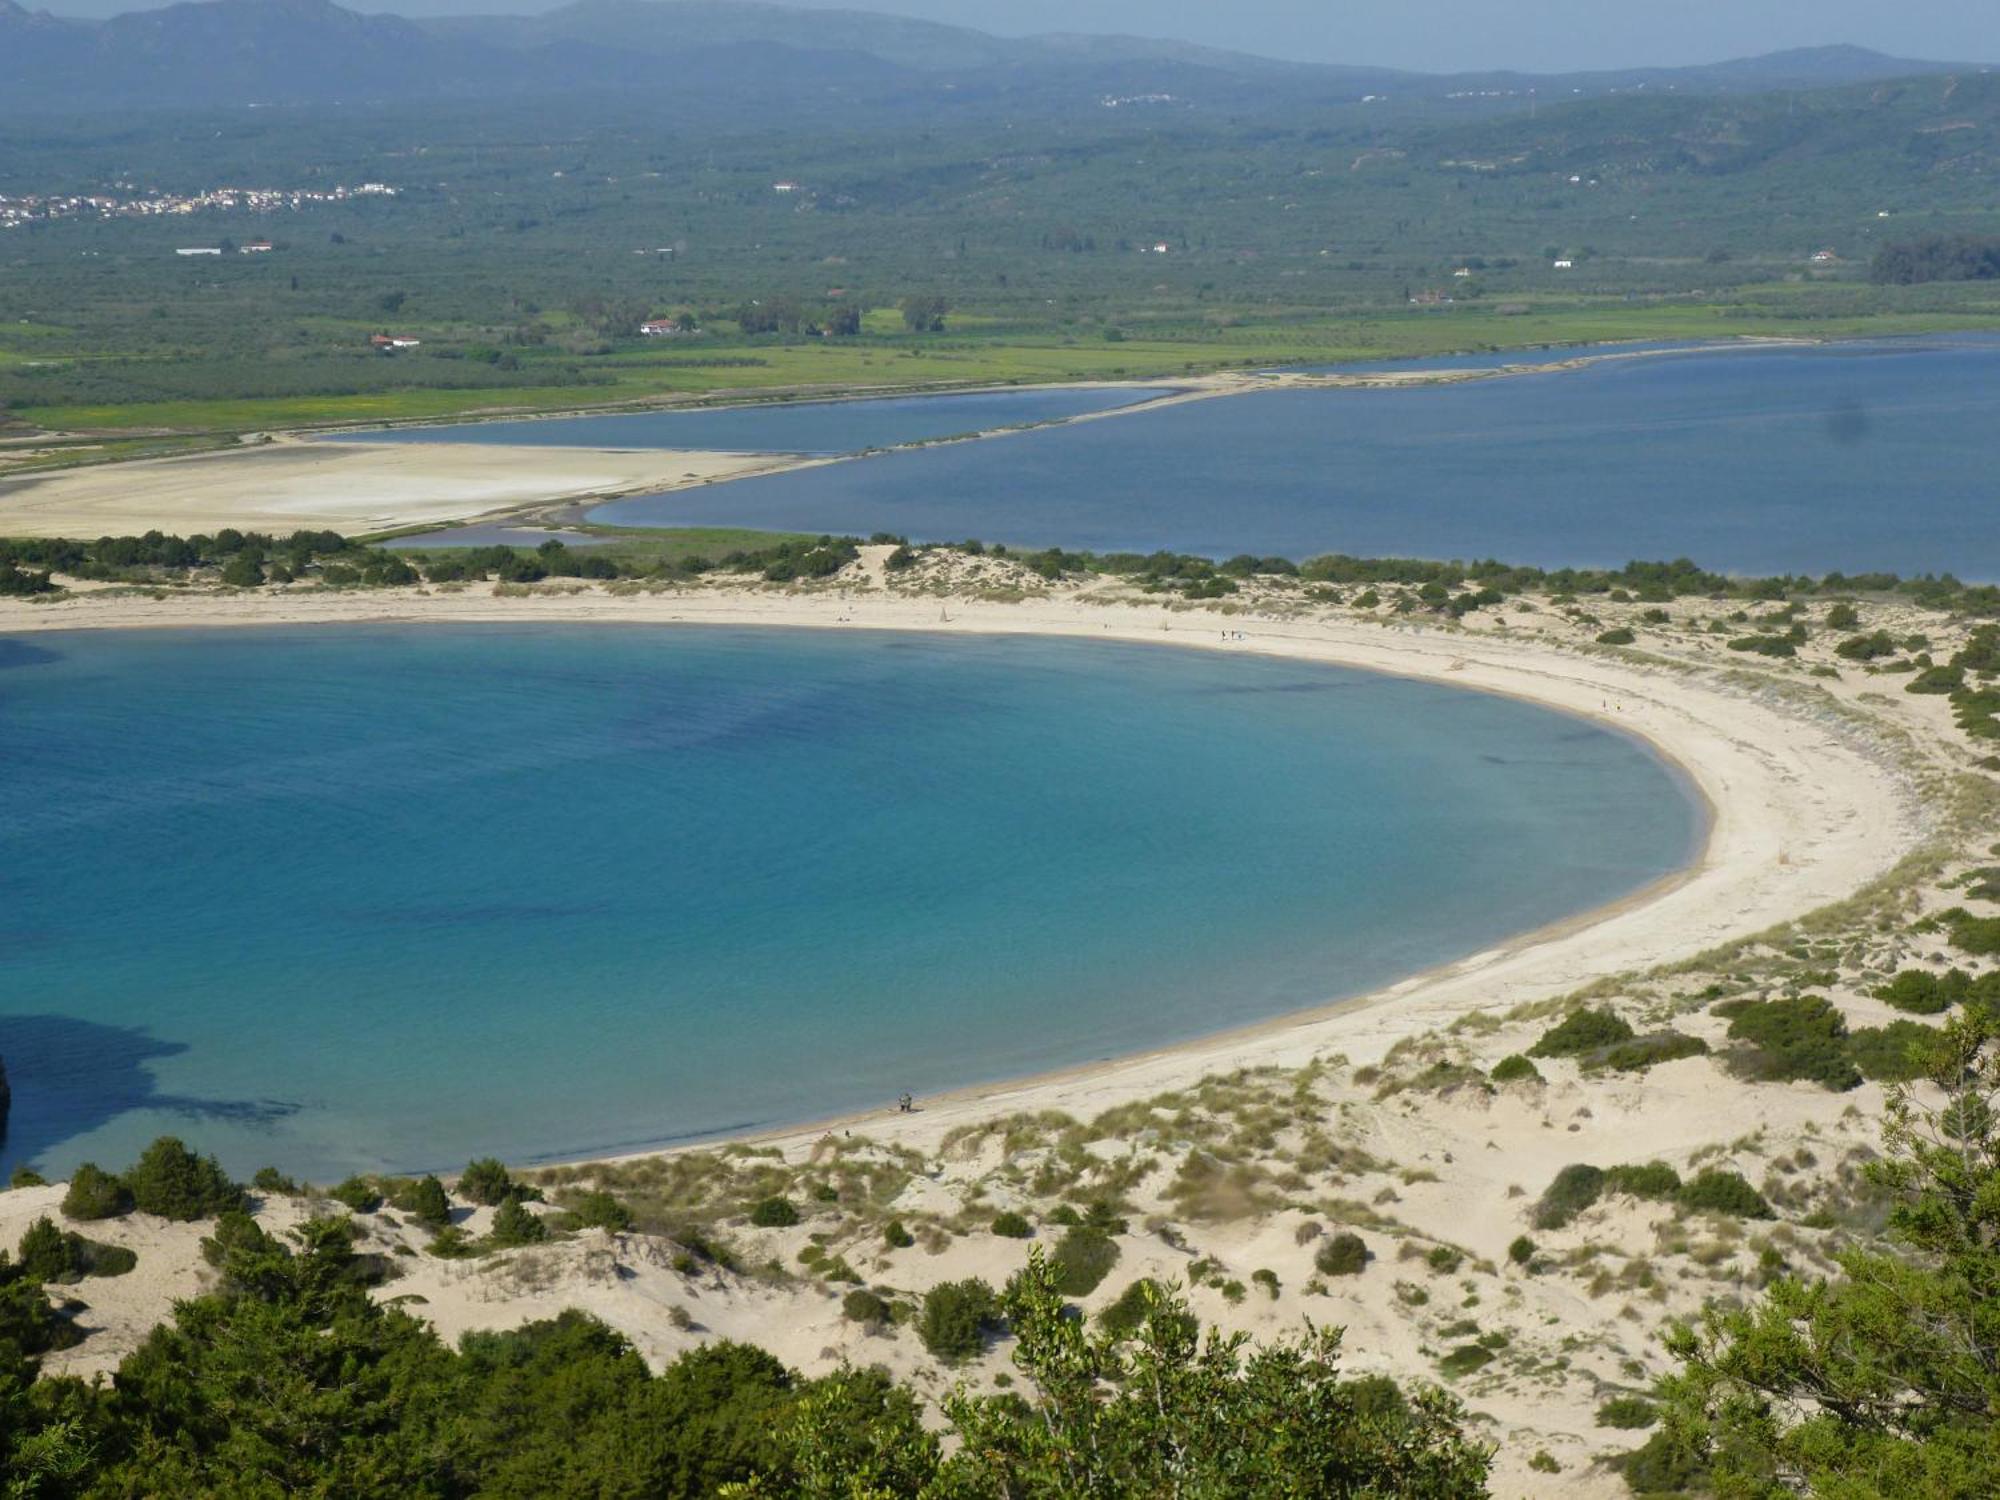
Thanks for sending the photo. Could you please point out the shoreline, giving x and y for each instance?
(1797, 813)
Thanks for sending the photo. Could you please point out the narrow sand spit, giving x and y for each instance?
(1804, 807)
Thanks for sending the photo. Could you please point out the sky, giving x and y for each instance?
(1433, 36)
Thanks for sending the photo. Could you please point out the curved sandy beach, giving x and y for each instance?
(1807, 804)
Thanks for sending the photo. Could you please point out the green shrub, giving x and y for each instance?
(1618, 636)
(1464, 1360)
(451, 1243)
(1643, 1052)
(1543, 1463)
(424, 1200)
(1667, 1464)
(1083, 1258)
(1444, 1259)
(49, 1253)
(1975, 934)
(1653, 1179)
(774, 1213)
(271, 1180)
(514, 1225)
(1344, 1254)
(171, 1181)
(1124, 1316)
(599, 1210)
(1800, 1038)
(957, 1317)
(1574, 1189)
(863, 1306)
(1012, 1226)
(1627, 1413)
(1923, 993)
(46, 1253)
(1522, 1251)
(359, 1194)
(485, 1182)
(1893, 1053)
(896, 1237)
(1582, 1031)
(25, 1176)
(1842, 616)
(1722, 1192)
(1765, 645)
(1515, 1068)
(95, 1194)
(1870, 647)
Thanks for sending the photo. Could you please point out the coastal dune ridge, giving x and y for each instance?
(1806, 801)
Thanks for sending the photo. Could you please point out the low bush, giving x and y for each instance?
(358, 1194)
(1575, 1188)
(1083, 1258)
(1799, 1038)
(1464, 1360)
(95, 1194)
(1975, 934)
(171, 1181)
(1923, 993)
(271, 1180)
(598, 1210)
(1124, 1316)
(1653, 1179)
(513, 1225)
(1344, 1254)
(50, 1253)
(1012, 1226)
(957, 1318)
(1892, 1053)
(1582, 1031)
(1722, 1192)
(1627, 1413)
(1643, 1052)
(774, 1213)
(1522, 1251)
(485, 1182)
(1871, 647)
(896, 1236)
(863, 1306)
(1618, 636)
(1515, 1068)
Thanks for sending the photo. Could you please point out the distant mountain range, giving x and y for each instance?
(738, 54)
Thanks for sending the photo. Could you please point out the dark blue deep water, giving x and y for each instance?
(1854, 457)
(377, 897)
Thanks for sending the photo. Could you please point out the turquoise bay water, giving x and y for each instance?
(1857, 457)
(377, 897)
(815, 427)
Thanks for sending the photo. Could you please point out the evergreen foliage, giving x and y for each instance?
(1886, 1380)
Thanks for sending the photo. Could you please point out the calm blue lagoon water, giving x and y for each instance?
(814, 427)
(1858, 457)
(379, 897)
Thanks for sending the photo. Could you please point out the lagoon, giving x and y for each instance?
(384, 898)
(1856, 457)
(815, 428)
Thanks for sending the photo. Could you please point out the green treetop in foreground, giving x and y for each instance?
(1167, 1411)
(291, 1379)
(1887, 1381)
